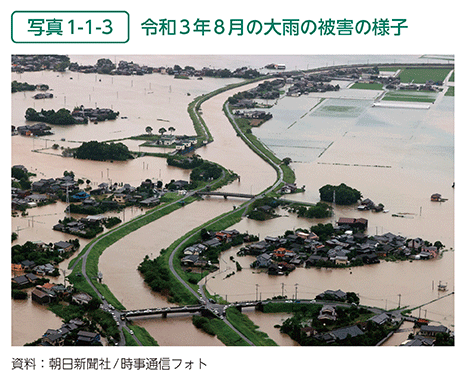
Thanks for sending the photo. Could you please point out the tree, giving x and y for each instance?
(149, 130)
(438, 244)
(171, 129)
(162, 130)
(344, 195)
(287, 161)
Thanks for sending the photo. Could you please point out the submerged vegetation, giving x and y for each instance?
(101, 151)
(341, 194)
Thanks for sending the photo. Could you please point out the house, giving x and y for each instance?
(80, 196)
(150, 202)
(53, 338)
(85, 338)
(27, 264)
(64, 246)
(436, 197)
(289, 188)
(190, 260)
(366, 204)
(180, 184)
(31, 277)
(16, 268)
(258, 247)
(212, 242)
(36, 198)
(418, 341)
(20, 280)
(282, 253)
(429, 330)
(280, 268)
(327, 313)
(415, 243)
(314, 259)
(94, 219)
(346, 332)
(42, 296)
(81, 298)
(340, 260)
(44, 269)
(272, 239)
(195, 249)
(431, 251)
(359, 223)
(263, 261)
(370, 258)
(337, 295)
(380, 319)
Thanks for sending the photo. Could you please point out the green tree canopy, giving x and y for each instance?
(101, 151)
(344, 195)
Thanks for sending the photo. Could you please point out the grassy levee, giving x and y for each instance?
(248, 328)
(130, 342)
(254, 143)
(182, 295)
(226, 335)
(104, 241)
(200, 126)
(143, 336)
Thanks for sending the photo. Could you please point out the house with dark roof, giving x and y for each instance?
(20, 280)
(356, 223)
(86, 338)
(190, 259)
(337, 295)
(53, 338)
(380, 319)
(63, 245)
(340, 334)
(263, 260)
(41, 296)
(431, 330)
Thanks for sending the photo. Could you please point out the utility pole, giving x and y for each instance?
(68, 200)
(296, 291)
(399, 300)
(257, 287)
(64, 277)
(283, 288)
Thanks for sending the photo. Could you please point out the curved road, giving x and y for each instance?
(217, 309)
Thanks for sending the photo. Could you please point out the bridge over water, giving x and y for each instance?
(225, 194)
(207, 308)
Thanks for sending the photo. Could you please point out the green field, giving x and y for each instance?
(450, 91)
(410, 96)
(367, 86)
(422, 75)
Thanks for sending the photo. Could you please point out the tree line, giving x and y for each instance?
(101, 151)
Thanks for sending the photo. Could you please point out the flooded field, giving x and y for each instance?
(395, 157)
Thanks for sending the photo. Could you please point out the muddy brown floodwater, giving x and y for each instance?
(395, 157)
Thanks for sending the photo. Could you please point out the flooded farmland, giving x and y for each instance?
(396, 157)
